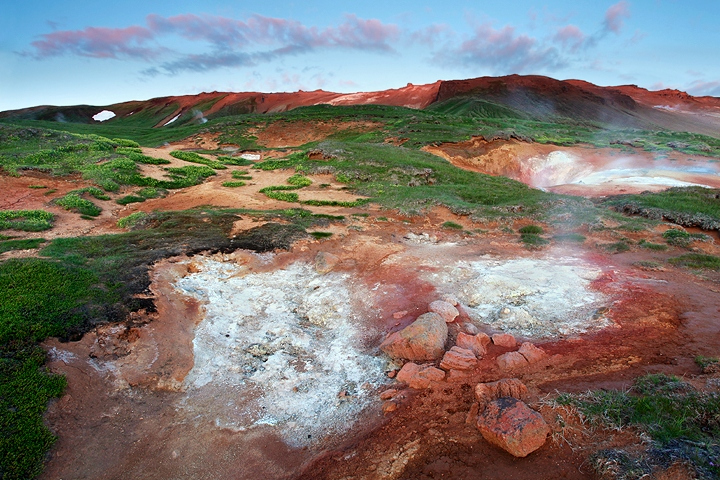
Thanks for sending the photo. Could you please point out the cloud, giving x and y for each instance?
(502, 50)
(228, 42)
(97, 42)
(570, 37)
(703, 88)
(615, 15)
(431, 35)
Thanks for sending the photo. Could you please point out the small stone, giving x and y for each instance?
(458, 359)
(511, 361)
(424, 339)
(531, 353)
(392, 373)
(389, 406)
(504, 340)
(446, 310)
(484, 338)
(450, 299)
(325, 262)
(513, 426)
(471, 329)
(419, 376)
(472, 343)
(400, 314)
(388, 394)
(472, 415)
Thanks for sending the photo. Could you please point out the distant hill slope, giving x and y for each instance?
(529, 97)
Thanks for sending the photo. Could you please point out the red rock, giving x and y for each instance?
(507, 387)
(531, 353)
(513, 426)
(511, 361)
(458, 359)
(389, 406)
(472, 415)
(419, 376)
(424, 339)
(450, 299)
(484, 338)
(504, 340)
(446, 310)
(472, 343)
(400, 314)
(325, 262)
(388, 394)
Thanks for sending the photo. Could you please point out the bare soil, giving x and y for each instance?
(128, 413)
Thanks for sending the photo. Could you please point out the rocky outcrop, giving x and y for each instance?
(504, 340)
(474, 343)
(446, 310)
(422, 340)
(419, 376)
(513, 426)
(325, 262)
(507, 387)
(531, 353)
(458, 359)
(511, 361)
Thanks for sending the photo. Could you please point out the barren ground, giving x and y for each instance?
(134, 407)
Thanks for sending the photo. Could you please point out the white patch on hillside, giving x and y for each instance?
(528, 297)
(104, 115)
(172, 120)
(280, 348)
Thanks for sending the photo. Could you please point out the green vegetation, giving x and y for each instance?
(531, 230)
(241, 175)
(195, 158)
(26, 220)
(128, 199)
(681, 238)
(37, 186)
(321, 235)
(569, 237)
(652, 246)
(74, 201)
(237, 161)
(26, 244)
(697, 261)
(233, 184)
(680, 419)
(452, 226)
(617, 247)
(708, 364)
(299, 181)
(131, 220)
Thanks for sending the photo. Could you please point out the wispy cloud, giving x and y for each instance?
(229, 42)
(702, 88)
(571, 37)
(615, 16)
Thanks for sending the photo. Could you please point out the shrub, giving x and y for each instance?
(299, 181)
(531, 229)
(128, 199)
(452, 226)
(73, 201)
(131, 220)
(320, 235)
(26, 220)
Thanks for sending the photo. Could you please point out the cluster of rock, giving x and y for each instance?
(500, 412)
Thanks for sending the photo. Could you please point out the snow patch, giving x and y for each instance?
(104, 115)
(172, 119)
(251, 156)
(281, 348)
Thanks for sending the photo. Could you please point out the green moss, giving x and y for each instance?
(697, 261)
(25, 244)
(452, 226)
(26, 220)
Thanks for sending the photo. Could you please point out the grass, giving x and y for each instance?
(241, 175)
(452, 226)
(676, 416)
(26, 220)
(652, 246)
(697, 261)
(234, 184)
(128, 199)
(708, 364)
(533, 241)
(321, 235)
(131, 220)
(196, 158)
(531, 230)
(617, 247)
(681, 238)
(75, 202)
(24, 244)
(569, 237)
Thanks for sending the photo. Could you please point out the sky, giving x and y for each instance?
(95, 52)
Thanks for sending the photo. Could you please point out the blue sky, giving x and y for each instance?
(90, 52)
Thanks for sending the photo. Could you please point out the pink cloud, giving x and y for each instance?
(615, 15)
(96, 42)
(703, 88)
(431, 35)
(501, 49)
(570, 37)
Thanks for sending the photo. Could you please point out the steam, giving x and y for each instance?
(198, 115)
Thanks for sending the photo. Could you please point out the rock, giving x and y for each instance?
(513, 426)
(504, 340)
(531, 353)
(324, 262)
(389, 406)
(419, 376)
(400, 314)
(392, 373)
(471, 418)
(446, 310)
(472, 343)
(507, 387)
(484, 338)
(450, 299)
(471, 329)
(424, 339)
(458, 359)
(388, 394)
(511, 361)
